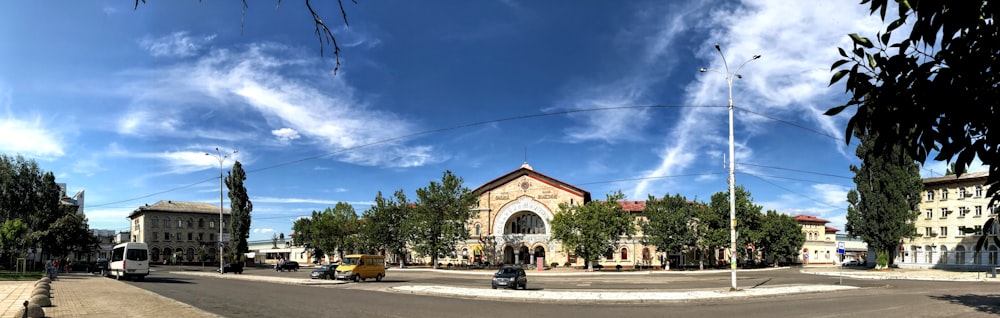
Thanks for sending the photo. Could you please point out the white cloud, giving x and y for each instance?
(177, 44)
(109, 10)
(30, 138)
(256, 82)
(262, 231)
(285, 134)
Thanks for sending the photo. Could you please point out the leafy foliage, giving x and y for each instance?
(384, 226)
(438, 221)
(594, 228)
(988, 233)
(333, 229)
(240, 208)
(781, 237)
(670, 223)
(748, 219)
(883, 207)
(13, 236)
(69, 233)
(908, 91)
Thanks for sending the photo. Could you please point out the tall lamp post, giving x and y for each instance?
(732, 159)
(222, 159)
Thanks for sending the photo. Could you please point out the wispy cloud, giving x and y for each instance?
(258, 82)
(31, 138)
(285, 134)
(177, 44)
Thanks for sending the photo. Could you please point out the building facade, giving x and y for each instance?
(952, 213)
(177, 231)
(821, 241)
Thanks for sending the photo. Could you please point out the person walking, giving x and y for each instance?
(50, 269)
(55, 269)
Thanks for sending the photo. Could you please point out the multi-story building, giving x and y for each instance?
(952, 213)
(821, 241)
(177, 231)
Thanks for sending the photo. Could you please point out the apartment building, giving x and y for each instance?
(175, 231)
(952, 213)
(820, 246)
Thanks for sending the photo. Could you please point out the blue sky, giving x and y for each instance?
(125, 103)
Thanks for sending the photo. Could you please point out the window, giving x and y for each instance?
(156, 236)
(944, 194)
(190, 223)
(930, 195)
(211, 224)
(609, 255)
(478, 229)
(961, 192)
(201, 236)
(179, 237)
(961, 230)
(190, 236)
(930, 213)
(993, 229)
(180, 223)
(624, 254)
(156, 222)
(928, 232)
(211, 236)
(979, 191)
(166, 222)
(944, 213)
(166, 236)
(979, 210)
(979, 230)
(136, 225)
(944, 231)
(201, 223)
(962, 211)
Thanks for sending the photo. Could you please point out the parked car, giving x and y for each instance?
(231, 268)
(510, 277)
(323, 272)
(81, 266)
(287, 266)
(849, 262)
(101, 266)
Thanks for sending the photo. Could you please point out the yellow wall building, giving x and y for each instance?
(821, 241)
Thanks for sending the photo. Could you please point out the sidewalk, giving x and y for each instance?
(87, 295)
(902, 273)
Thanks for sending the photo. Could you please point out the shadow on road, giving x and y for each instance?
(981, 303)
(165, 280)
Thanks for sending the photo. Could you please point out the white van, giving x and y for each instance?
(129, 260)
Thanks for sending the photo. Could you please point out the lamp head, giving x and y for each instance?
(703, 70)
(756, 56)
(717, 48)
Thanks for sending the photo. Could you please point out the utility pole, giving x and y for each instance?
(222, 159)
(732, 159)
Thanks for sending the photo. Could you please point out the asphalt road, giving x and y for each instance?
(894, 298)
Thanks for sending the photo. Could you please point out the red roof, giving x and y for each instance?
(832, 229)
(633, 206)
(810, 218)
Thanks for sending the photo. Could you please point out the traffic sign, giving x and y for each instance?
(840, 247)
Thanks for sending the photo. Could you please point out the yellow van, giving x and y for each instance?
(358, 267)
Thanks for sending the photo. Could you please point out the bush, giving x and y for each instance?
(567, 264)
(618, 267)
(449, 265)
(882, 260)
(555, 264)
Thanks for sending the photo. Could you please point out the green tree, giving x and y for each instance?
(240, 208)
(711, 230)
(331, 230)
(748, 220)
(14, 236)
(437, 223)
(670, 223)
(302, 228)
(385, 222)
(906, 87)
(781, 237)
(202, 255)
(69, 233)
(594, 228)
(883, 207)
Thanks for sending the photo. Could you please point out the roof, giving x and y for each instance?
(832, 229)
(810, 218)
(969, 176)
(633, 206)
(526, 170)
(179, 206)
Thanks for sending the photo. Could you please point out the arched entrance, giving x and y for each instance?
(523, 256)
(539, 252)
(508, 255)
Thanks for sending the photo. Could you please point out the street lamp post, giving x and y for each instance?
(222, 159)
(732, 159)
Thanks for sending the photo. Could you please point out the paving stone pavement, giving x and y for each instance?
(86, 295)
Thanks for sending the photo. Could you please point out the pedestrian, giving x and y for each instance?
(49, 268)
(67, 265)
(55, 265)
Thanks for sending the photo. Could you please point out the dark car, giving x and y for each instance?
(287, 266)
(323, 272)
(510, 277)
(232, 268)
(81, 266)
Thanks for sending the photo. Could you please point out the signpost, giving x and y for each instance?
(840, 250)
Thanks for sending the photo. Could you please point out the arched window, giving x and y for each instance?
(646, 255)
(943, 258)
(993, 254)
(156, 222)
(960, 254)
(201, 223)
(526, 223)
(190, 223)
(166, 222)
(624, 254)
(478, 229)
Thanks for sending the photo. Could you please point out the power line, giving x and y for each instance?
(791, 124)
(796, 170)
(786, 178)
(654, 177)
(792, 192)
